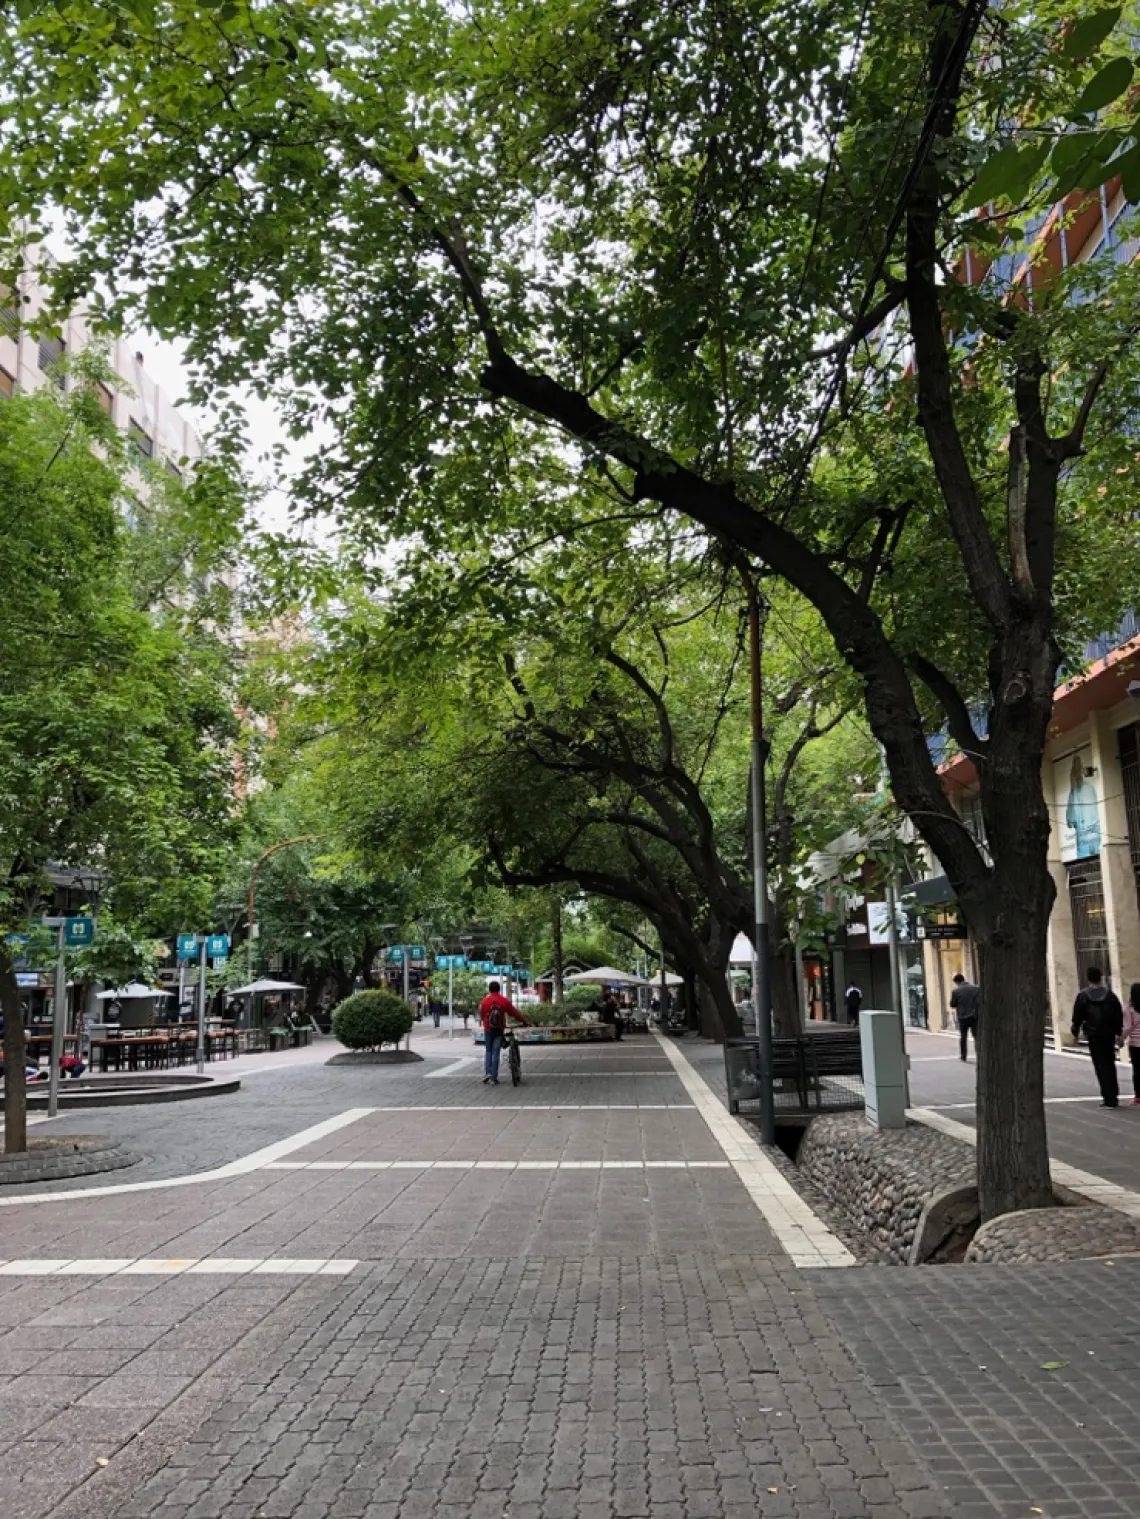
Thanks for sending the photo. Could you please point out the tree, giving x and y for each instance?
(647, 247)
(579, 727)
(115, 729)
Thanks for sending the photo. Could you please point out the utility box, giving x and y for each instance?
(884, 1068)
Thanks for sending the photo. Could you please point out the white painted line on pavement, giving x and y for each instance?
(257, 1160)
(498, 1109)
(453, 1068)
(494, 1165)
(214, 1265)
(806, 1238)
(968, 1107)
(1095, 1188)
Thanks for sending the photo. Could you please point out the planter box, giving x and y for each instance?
(568, 1033)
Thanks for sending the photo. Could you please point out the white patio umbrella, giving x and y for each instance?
(256, 988)
(134, 991)
(605, 975)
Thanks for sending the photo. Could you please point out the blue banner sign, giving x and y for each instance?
(450, 962)
(218, 946)
(187, 946)
(78, 930)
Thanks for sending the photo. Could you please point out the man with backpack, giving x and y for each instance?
(1098, 1014)
(494, 1010)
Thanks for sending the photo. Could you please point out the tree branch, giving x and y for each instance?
(958, 718)
(877, 314)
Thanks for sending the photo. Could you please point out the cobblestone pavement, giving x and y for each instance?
(565, 1305)
(959, 1359)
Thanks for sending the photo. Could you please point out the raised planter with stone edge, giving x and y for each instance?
(70, 1155)
(881, 1180)
(129, 1091)
(1055, 1234)
(374, 1057)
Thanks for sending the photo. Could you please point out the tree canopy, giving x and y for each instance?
(709, 264)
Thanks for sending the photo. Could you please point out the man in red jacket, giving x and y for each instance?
(494, 1010)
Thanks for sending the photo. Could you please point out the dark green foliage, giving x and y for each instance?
(368, 1020)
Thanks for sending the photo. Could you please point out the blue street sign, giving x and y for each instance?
(395, 955)
(187, 946)
(78, 930)
(451, 962)
(484, 965)
(416, 952)
(218, 946)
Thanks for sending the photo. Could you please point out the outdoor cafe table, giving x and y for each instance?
(37, 1045)
(150, 1049)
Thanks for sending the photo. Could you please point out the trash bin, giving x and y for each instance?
(741, 1072)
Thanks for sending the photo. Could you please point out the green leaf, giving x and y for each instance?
(1086, 169)
(1007, 173)
(1105, 86)
(1072, 149)
(1089, 32)
(1053, 1365)
(997, 175)
(1128, 167)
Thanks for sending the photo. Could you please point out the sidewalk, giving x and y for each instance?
(557, 1302)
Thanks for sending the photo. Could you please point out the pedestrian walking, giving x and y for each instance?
(1131, 1033)
(853, 998)
(494, 1010)
(436, 1010)
(966, 1000)
(1098, 1013)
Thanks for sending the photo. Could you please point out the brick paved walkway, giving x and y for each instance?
(565, 1303)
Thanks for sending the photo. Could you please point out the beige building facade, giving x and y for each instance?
(1091, 780)
(31, 362)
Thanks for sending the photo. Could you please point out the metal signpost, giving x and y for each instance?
(451, 962)
(201, 947)
(73, 933)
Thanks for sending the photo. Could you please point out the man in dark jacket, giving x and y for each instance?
(966, 1000)
(1098, 1012)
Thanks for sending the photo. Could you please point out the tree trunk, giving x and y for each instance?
(786, 1018)
(15, 1058)
(1011, 930)
(1013, 1159)
(556, 947)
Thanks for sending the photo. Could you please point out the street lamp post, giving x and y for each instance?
(304, 838)
(761, 970)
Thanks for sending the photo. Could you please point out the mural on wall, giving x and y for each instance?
(1077, 806)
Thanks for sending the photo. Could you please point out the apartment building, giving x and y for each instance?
(142, 409)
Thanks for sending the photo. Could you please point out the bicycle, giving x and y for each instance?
(514, 1058)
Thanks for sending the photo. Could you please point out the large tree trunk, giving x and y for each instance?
(556, 947)
(787, 1022)
(1011, 930)
(1013, 1159)
(15, 1058)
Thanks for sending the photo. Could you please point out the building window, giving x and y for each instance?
(52, 352)
(9, 316)
(1130, 779)
(105, 396)
(970, 811)
(7, 384)
(172, 469)
(141, 439)
(1090, 926)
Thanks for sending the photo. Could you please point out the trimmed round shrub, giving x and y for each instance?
(367, 1020)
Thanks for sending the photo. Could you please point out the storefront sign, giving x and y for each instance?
(942, 930)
